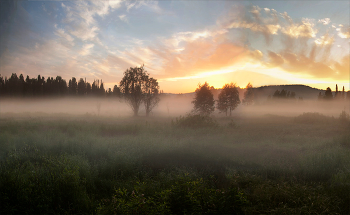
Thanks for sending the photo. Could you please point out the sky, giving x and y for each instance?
(180, 43)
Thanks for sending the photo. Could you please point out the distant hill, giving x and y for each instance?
(306, 92)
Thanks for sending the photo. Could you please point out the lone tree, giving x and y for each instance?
(138, 88)
(203, 100)
(248, 95)
(228, 98)
(151, 98)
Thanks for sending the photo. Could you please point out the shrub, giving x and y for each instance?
(184, 195)
(311, 118)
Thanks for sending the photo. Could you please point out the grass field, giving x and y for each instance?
(65, 164)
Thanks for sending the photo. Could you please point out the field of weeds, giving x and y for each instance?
(113, 165)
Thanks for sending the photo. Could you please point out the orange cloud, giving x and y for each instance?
(343, 67)
(303, 29)
(275, 59)
(203, 55)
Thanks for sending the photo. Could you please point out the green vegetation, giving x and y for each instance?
(95, 165)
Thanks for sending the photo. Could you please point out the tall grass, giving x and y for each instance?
(271, 165)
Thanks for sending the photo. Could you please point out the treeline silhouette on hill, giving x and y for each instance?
(39, 87)
(328, 95)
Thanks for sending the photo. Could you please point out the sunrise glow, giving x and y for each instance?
(181, 43)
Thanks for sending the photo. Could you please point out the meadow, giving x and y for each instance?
(89, 164)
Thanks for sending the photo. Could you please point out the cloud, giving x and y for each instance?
(81, 16)
(304, 29)
(253, 20)
(86, 49)
(202, 55)
(44, 59)
(123, 18)
(189, 36)
(324, 21)
(325, 40)
(343, 31)
(342, 68)
(84, 33)
(274, 59)
(153, 5)
(66, 37)
(114, 4)
(301, 64)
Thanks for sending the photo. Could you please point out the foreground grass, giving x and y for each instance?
(262, 165)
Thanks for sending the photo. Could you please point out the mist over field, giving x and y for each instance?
(170, 105)
(92, 155)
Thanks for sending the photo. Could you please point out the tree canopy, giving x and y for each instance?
(151, 98)
(248, 95)
(138, 88)
(204, 100)
(228, 98)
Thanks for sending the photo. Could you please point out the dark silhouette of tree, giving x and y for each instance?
(276, 94)
(151, 98)
(88, 88)
(81, 87)
(2, 86)
(133, 86)
(13, 85)
(228, 98)
(101, 90)
(72, 86)
(116, 91)
(283, 94)
(61, 86)
(203, 100)
(48, 87)
(39, 86)
(328, 94)
(109, 93)
(248, 95)
(21, 85)
(343, 93)
(337, 94)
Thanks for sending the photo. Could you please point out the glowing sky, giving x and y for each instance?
(181, 43)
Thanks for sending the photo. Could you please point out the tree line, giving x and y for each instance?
(40, 87)
(136, 87)
(338, 95)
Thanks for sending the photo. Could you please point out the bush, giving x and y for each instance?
(311, 118)
(195, 121)
(34, 183)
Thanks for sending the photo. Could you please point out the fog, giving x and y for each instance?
(95, 148)
(170, 105)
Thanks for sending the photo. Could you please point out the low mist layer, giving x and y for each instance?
(169, 105)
